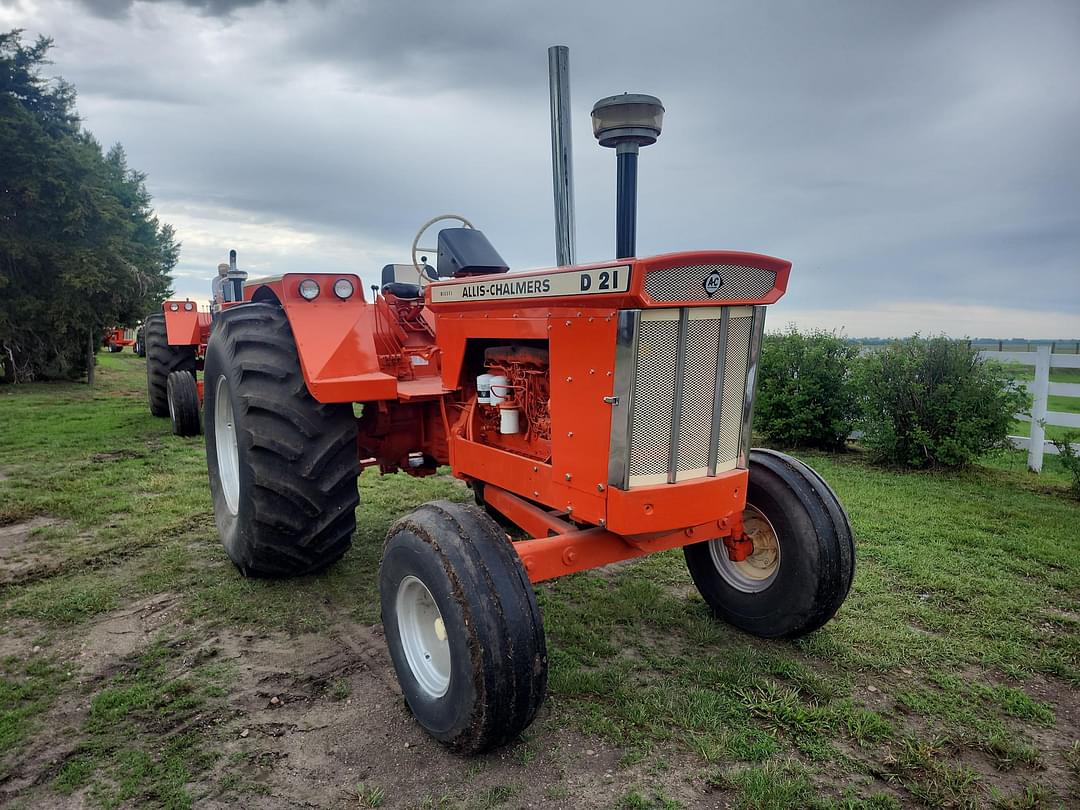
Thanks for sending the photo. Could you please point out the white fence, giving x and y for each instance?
(1040, 389)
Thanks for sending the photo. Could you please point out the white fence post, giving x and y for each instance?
(1039, 390)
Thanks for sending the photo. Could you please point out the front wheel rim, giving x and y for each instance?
(228, 457)
(423, 637)
(758, 571)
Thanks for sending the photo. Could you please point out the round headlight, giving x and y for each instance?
(343, 288)
(174, 307)
(309, 289)
(189, 306)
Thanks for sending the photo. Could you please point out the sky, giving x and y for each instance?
(918, 162)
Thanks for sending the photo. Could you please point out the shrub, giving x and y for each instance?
(934, 402)
(1071, 459)
(806, 393)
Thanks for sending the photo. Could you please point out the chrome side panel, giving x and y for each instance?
(626, 348)
(754, 355)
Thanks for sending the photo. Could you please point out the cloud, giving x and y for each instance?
(119, 9)
(917, 152)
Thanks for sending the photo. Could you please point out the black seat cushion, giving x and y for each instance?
(401, 289)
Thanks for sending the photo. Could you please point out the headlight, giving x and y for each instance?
(309, 289)
(343, 288)
(174, 307)
(189, 306)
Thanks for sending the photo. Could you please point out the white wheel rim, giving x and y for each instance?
(228, 458)
(758, 571)
(423, 637)
(169, 399)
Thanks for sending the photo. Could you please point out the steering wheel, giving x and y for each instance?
(416, 251)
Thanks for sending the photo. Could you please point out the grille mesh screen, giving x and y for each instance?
(688, 283)
(699, 383)
(654, 392)
(738, 344)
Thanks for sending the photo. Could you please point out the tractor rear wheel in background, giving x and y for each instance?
(183, 395)
(161, 361)
(463, 627)
(139, 347)
(283, 467)
(803, 560)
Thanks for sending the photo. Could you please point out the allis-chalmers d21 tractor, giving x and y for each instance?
(604, 410)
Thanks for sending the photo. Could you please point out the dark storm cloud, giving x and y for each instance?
(113, 9)
(920, 152)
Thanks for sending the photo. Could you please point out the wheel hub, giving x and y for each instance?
(423, 637)
(758, 569)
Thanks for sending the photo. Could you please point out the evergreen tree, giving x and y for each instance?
(80, 247)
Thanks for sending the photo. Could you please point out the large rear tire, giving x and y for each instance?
(803, 560)
(161, 361)
(183, 395)
(463, 627)
(283, 467)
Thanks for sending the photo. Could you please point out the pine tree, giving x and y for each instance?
(80, 247)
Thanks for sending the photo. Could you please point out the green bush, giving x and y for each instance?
(806, 393)
(1071, 459)
(933, 402)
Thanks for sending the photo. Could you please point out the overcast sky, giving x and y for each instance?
(918, 162)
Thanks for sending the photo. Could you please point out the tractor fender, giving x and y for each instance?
(335, 337)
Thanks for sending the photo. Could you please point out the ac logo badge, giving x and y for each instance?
(713, 282)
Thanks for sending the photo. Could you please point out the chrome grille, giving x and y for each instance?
(734, 385)
(699, 383)
(688, 283)
(654, 397)
(682, 399)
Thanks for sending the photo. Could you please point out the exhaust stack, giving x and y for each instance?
(562, 158)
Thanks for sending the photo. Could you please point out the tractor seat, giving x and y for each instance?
(402, 289)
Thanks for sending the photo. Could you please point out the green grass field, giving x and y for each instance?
(140, 670)
(1053, 402)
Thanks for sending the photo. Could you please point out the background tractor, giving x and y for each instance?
(603, 410)
(116, 339)
(174, 344)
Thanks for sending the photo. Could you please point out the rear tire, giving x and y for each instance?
(183, 396)
(804, 558)
(161, 361)
(283, 467)
(463, 627)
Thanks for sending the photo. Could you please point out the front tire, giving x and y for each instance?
(183, 396)
(803, 560)
(283, 467)
(161, 361)
(463, 627)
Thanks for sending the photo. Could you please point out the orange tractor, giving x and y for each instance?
(116, 339)
(604, 410)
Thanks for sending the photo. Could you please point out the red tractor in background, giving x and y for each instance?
(604, 410)
(174, 343)
(117, 338)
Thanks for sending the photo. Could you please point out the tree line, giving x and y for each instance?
(80, 247)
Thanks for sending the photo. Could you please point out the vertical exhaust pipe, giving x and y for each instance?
(562, 158)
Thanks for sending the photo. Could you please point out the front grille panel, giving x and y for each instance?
(734, 387)
(699, 385)
(654, 397)
(688, 283)
(698, 404)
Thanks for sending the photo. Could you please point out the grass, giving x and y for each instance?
(939, 683)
